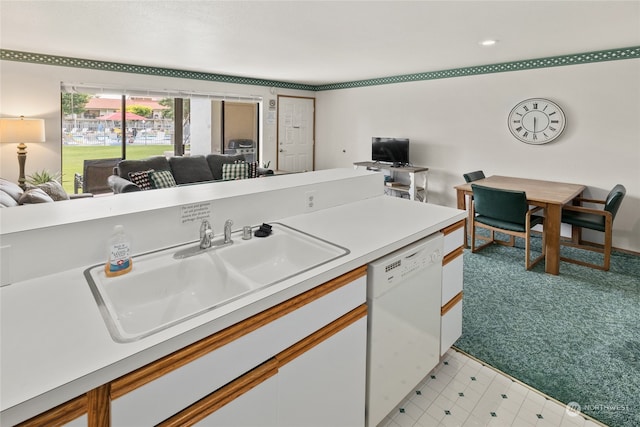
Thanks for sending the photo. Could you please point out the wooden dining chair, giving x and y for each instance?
(594, 219)
(505, 211)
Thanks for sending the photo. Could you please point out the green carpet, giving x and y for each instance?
(574, 337)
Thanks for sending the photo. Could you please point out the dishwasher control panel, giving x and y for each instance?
(403, 263)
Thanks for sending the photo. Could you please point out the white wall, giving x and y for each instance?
(33, 90)
(458, 125)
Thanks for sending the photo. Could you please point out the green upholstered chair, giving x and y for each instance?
(594, 219)
(473, 176)
(507, 212)
(470, 177)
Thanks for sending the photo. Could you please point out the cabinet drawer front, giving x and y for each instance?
(453, 240)
(174, 391)
(452, 279)
(450, 327)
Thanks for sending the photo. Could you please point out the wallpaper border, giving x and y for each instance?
(632, 52)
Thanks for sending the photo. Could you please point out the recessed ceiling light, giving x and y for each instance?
(488, 42)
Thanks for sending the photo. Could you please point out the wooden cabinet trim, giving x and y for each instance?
(60, 415)
(99, 406)
(216, 400)
(452, 255)
(452, 302)
(321, 335)
(453, 227)
(179, 358)
(236, 388)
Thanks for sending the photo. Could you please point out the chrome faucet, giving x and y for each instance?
(227, 232)
(206, 234)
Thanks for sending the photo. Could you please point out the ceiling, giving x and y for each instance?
(316, 42)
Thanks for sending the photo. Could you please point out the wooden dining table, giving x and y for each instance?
(552, 196)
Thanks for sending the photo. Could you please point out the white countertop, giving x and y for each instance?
(55, 345)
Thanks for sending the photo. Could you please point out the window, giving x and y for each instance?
(103, 123)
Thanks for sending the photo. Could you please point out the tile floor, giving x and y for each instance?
(461, 391)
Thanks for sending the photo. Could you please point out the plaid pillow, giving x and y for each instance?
(234, 171)
(141, 179)
(161, 179)
(253, 169)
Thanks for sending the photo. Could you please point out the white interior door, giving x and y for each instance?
(295, 133)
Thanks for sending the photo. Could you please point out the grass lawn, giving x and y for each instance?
(73, 157)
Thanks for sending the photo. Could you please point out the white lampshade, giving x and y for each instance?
(21, 130)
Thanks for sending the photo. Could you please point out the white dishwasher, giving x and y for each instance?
(403, 345)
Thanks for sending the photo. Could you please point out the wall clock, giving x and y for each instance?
(536, 121)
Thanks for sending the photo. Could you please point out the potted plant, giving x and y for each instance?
(42, 177)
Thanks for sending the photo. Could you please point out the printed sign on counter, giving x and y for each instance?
(195, 212)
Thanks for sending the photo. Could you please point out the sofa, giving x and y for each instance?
(159, 172)
(11, 194)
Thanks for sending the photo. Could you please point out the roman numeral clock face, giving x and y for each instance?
(536, 121)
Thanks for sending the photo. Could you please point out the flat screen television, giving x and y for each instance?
(390, 150)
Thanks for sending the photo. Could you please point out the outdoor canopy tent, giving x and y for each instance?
(117, 116)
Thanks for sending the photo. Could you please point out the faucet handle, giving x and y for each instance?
(204, 227)
(206, 234)
(227, 231)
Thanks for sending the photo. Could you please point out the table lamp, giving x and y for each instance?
(21, 130)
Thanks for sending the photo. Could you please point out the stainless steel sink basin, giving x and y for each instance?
(162, 291)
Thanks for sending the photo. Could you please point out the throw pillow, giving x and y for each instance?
(157, 163)
(253, 169)
(11, 189)
(190, 169)
(161, 179)
(141, 179)
(234, 171)
(54, 190)
(6, 201)
(34, 195)
(216, 161)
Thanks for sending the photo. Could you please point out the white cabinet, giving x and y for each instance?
(317, 382)
(408, 181)
(256, 407)
(304, 355)
(325, 385)
(451, 279)
(452, 286)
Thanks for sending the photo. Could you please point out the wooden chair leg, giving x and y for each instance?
(608, 243)
(604, 249)
(527, 251)
(473, 236)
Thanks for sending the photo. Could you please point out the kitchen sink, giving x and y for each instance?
(285, 253)
(162, 291)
